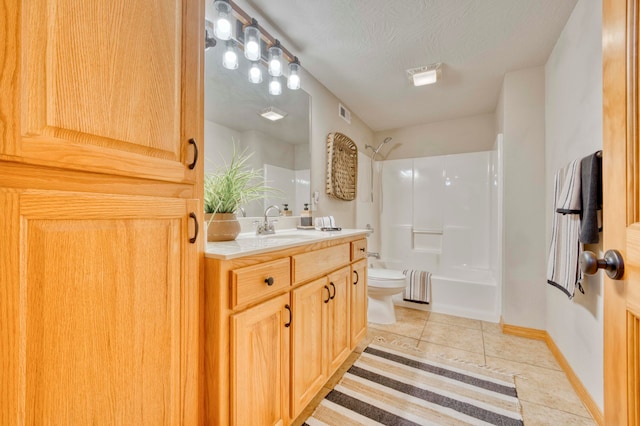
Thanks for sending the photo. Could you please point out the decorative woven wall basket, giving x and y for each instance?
(342, 167)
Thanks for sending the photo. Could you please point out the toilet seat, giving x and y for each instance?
(385, 274)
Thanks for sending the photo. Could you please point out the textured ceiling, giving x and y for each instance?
(360, 49)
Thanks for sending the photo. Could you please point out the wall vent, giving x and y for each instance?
(344, 113)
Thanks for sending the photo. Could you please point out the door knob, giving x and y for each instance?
(612, 263)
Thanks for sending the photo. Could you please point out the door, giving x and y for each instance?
(621, 165)
(358, 309)
(308, 355)
(260, 364)
(108, 87)
(100, 309)
(338, 332)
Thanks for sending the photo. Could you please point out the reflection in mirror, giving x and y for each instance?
(280, 148)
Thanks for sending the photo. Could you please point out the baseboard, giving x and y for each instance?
(581, 391)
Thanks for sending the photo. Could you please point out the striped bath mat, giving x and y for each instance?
(389, 387)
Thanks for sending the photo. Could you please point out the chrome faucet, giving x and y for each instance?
(267, 227)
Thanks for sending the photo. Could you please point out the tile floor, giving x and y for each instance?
(546, 396)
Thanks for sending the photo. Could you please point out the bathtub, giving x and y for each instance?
(465, 292)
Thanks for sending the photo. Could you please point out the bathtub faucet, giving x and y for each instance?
(373, 254)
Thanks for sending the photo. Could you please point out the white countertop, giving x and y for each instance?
(249, 243)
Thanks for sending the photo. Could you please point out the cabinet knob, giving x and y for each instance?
(362, 249)
(269, 281)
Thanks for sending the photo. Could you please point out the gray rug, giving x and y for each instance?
(401, 387)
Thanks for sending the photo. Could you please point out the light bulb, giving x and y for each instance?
(222, 20)
(255, 74)
(230, 57)
(252, 42)
(293, 82)
(275, 60)
(275, 88)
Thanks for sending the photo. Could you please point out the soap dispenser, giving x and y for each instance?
(286, 211)
(305, 216)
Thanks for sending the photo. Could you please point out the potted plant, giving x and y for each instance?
(225, 191)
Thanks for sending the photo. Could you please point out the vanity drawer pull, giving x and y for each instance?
(269, 281)
(256, 282)
(288, 308)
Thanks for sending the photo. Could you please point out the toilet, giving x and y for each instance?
(382, 284)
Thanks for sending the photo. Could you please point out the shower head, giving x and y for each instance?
(387, 140)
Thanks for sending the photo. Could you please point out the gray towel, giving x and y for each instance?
(591, 199)
(419, 287)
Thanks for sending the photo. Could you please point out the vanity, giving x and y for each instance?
(281, 313)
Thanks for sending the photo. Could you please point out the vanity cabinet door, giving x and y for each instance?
(99, 300)
(358, 309)
(260, 339)
(309, 328)
(103, 86)
(338, 332)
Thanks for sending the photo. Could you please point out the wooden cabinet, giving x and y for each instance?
(120, 95)
(260, 364)
(243, 374)
(358, 288)
(100, 264)
(338, 331)
(309, 351)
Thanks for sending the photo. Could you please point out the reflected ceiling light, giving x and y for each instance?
(425, 75)
(275, 60)
(222, 20)
(255, 73)
(252, 41)
(272, 113)
(293, 82)
(230, 56)
(275, 88)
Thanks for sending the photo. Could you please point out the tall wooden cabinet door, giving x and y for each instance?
(260, 339)
(358, 302)
(308, 359)
(102, 301)
(338, 332)
(105, 86)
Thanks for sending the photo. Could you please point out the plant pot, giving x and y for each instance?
(222, 227)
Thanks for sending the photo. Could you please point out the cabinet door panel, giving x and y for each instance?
(107, 312)
(103, 86)
(309, 369)
(338, 332)
(358, 302)
(259, 364)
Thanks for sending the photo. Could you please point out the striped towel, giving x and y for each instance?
(419, 288)
(563, 269)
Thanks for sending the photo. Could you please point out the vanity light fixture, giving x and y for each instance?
(255, 73)
(272, 113)
(230, 56)
(275, 87)
(293, 82)
(222, 20)
(241, 31)
(425, 75)
(252, 41)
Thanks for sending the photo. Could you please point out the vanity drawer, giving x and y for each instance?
(253, 283)
(319, 262)
(359, 249)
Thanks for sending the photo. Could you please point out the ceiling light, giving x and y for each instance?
(230, 56)
(424, 75)
(255, 73)
(222, 19)
(275, 88)
(272, 113)
(293, 82)
(252, 41)
(275, 60)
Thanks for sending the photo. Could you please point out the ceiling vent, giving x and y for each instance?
(344, 113)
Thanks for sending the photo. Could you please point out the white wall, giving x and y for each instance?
(573, 130)
(468, 134)
(524, 299)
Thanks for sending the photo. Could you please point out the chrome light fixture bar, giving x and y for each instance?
(232, 24)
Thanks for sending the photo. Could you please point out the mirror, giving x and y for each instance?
(280, 148)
